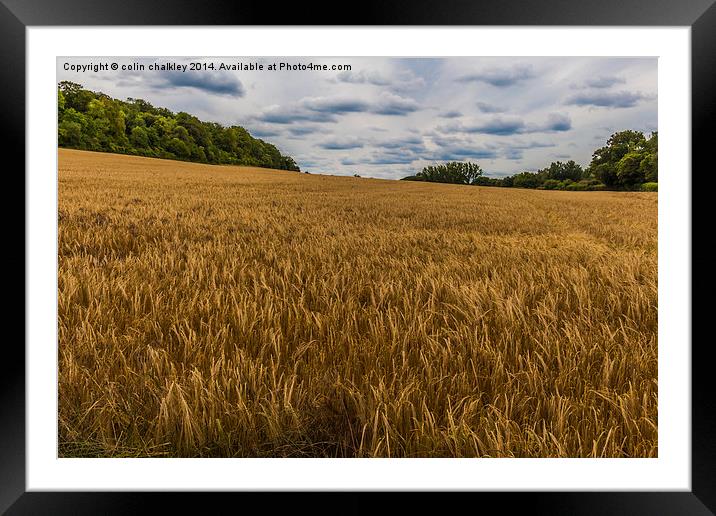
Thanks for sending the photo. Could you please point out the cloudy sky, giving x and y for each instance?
(389, 117)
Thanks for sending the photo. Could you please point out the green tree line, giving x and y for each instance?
(94, 121)
(456, 172)
(628, 161)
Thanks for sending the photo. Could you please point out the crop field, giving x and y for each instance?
(218, 311)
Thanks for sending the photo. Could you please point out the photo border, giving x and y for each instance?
(700, 15)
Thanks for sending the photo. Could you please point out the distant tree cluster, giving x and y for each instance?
(455, 172)
(94, 121)
(629, 161)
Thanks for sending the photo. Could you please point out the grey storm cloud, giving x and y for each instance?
(351, 143)
(303, 130)
(216, 83)
(393, 148)
(390, 104)
(461, 153)
(507, 126)
(513, 154)
(499, 126)
(385, 104)
(484, 107)
(620, 99)
(335, 105)
(391, 160)
(262, 133)
(531, 145)
(278, 115)
(500, 77)
(555, 123)
(602, 82)
(460, 147)
(411, 143)
(326, 109)
(450, 114)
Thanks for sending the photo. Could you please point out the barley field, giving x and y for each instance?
(216, 311)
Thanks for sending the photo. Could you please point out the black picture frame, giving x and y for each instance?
(700, 15)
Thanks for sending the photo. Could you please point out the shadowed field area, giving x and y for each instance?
(217, 311)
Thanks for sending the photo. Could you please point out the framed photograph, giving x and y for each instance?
(433, 250)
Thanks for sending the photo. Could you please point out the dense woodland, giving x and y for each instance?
(628, 161)
(94, 121)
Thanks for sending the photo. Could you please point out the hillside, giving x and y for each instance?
(94, 121)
